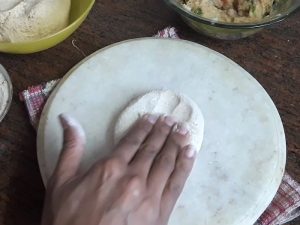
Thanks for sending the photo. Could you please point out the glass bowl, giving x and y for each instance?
(233, 31)
(6, 92)
(79, 11)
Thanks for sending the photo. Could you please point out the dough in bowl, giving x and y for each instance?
(28, 20)
(180, 107)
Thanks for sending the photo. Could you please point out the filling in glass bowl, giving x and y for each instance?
(233, 11)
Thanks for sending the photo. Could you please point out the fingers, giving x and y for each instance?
(144, 157)
(164, 163)
(73, 147)
(176, 182)
(132, 141)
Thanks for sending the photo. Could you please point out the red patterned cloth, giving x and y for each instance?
(284, 207)
(35, 98)
(169, 32)
(286, 204)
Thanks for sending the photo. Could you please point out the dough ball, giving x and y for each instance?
(180, 107)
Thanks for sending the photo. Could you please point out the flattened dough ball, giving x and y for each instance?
(180, 107)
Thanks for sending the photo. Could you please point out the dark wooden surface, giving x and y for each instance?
(272, 57)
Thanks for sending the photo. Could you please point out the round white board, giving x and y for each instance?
(242, 160)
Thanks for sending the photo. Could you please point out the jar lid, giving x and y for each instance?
(5, 92)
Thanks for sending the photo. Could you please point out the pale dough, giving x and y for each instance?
(180, 107)
(27, 20)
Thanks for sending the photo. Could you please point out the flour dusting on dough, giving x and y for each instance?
(180, 107)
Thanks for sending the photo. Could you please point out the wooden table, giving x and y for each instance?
(272, 57)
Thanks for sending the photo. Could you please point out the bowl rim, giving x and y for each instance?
(10, 92)
(54, 34)
(193, 16)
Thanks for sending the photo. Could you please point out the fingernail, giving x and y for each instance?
(63, 121)
(181, 129)
(169, 121)
(68, 121)
(190, 152)
(151, 118)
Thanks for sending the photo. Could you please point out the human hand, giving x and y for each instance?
(139, 183)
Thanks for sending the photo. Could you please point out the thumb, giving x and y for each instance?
(73, 147)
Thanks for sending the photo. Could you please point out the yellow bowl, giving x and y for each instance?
(79, 11)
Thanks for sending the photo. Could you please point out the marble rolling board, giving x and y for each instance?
(242, 159)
